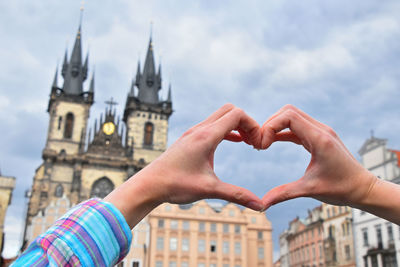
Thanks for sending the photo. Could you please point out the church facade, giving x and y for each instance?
(80, 162)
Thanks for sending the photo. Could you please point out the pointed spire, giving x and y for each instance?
(65, 64)
(132, 91)
(91, 87)
(169, 99)
(95, 125)
(149, 66)
(138, 75)
(55, 81)
(85, 67)
(89, 136)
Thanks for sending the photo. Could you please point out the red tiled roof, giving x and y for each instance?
(397, 152)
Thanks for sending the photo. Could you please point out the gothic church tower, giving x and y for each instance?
(81, 162)
(146, 115)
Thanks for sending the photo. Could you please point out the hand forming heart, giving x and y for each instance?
(185, 172)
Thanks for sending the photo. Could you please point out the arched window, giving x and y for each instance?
(148, 134)
(101, 188)
(59, 191)
(69, 125)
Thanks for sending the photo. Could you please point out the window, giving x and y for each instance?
(213, 246)
(59, 123)
(69, 125)
(174, 224)
(185, 244)
(213, 227)
(135, 264)
(201, 245)
(184, 264)
(390, 232)
(59, 191)
(231, 213)
(202, 227)
(365, 237)
(320, 251)
(225, 265)
(102, 187)
(226, 228)
(185, 225)
(121, 264)
(333, 211)
(253, 219)
(159, 264)
(201, 265)
(160, 223)
(259, 235)
(225, 247)
(237, 229)
(173, 243)
(260, 253)
(202, 210)
(347, 252)
(329, 213)
(379, 235)
(313, 252)
(160, 243)
(213, 265)
(148, 134)
(172, 264)
(238, 248)
(168, 208)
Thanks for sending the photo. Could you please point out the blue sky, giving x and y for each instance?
(336, 60)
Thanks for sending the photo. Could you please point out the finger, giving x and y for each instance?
(284, 192)
(216, 115)
(237, 119)
(287, 136)
(305, 131)
(233, 137)
(238, 195)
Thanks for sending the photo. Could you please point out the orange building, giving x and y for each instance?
(305, 240)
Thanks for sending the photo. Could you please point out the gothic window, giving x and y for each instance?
(101, 188)
(148, 134)
(59, 191)
(69, 124)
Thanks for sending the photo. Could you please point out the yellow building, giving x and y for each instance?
(7, 185)
(201, 234)
(338, 236)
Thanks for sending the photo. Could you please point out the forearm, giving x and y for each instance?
(383, 200)
(137, 197)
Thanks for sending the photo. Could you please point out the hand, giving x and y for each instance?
(185, 172)
(333, 175)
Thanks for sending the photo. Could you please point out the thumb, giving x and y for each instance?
(284, 192)
(238, 195)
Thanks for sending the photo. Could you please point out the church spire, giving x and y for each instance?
(65, 64)
(91, 87)
(55, 81)
(169, 99)
(149, 82)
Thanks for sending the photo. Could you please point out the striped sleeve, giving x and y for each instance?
(93, 233)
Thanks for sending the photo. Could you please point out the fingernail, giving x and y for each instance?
(255, 206)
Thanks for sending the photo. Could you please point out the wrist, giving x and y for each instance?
(135, 198)
(368, 195)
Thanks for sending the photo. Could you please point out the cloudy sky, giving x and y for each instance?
(337, 60)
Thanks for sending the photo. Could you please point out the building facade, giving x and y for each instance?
(80, 162)
(7, 184)
(208, 234)
(284, 259)
(306, 240)
(377, 241)
(338, 236)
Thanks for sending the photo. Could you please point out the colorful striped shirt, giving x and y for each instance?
(93, 233)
